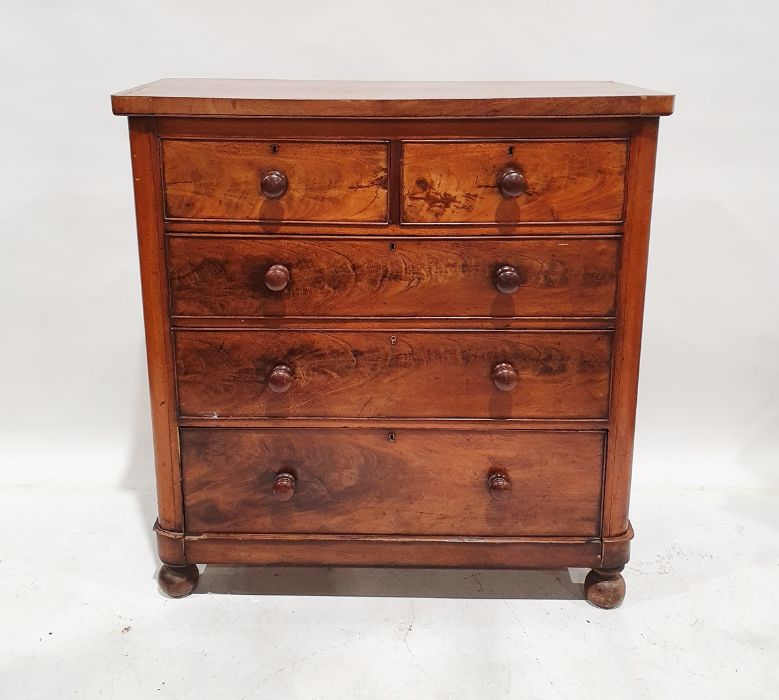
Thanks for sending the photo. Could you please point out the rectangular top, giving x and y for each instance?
(356, 99)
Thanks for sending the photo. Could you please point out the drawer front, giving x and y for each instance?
(414, 374)
(512, 182)
(337, 182)
(403, 278)
(420, 482)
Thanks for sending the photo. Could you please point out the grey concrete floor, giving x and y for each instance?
(81, 616)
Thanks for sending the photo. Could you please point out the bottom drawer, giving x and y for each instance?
(408, 482)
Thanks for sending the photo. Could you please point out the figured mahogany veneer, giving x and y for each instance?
(416, 483)
(392, 278)
(275, 181)
(408, 374)
(393, 324)
(513, 181)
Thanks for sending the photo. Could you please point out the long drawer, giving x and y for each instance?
(369, 481)
(369, 374)
(288, 277)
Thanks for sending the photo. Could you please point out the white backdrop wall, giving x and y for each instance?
(74, 406)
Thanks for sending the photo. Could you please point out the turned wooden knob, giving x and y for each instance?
(280, 379)
(500, 486)
(504, 376)
(506, 279)
(273, 184)
(277, 277)
(512, 182)
(284, 486)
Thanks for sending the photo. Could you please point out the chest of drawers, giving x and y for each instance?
(393, 324)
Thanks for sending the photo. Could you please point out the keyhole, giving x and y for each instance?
(274, 148)
(511, 150)
(391, 437)
(393, 340)
(392, 246)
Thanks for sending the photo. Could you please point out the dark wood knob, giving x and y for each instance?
(504, 376)
(512, 182)
(284, 486)
(277, 277)
(500, 486)
(506, 279)
(280, 379)
(274, 184)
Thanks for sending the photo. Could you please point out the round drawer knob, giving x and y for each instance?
(500, 486)
(277, 277)
(512, 183)
(280, 379)
(506, 279)
(504, 376)
(273, 184)
(284, 486)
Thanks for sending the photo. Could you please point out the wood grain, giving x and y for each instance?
(387, 224)
(404, 374)
(389, 278)
(313, 129)
(633, 265)
(144, 150)
(394, 550)
(411, 482)
(427, 551)
(325, 98)
(493, 323)
(574, 180)
(325, 181)
(357, 230)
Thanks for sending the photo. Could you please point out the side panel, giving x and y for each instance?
(144, 149)
(630, 316)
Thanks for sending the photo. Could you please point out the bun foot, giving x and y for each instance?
(605, 588)
(178, 581)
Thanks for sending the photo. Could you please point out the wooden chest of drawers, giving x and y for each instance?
(393, 324)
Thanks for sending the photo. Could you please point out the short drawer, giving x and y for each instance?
(282, 277)
(414, 482)
(275, 181)
(514, 182)
(373, 374)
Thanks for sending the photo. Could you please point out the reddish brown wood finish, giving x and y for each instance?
(605, 588)
(461, 182)
(409, 482)
(144, 151)
(240, 181)
(284, 484)
(383, 375)
(633, 265)
(170, 546)
(393, 278)
(337, 98)
(311, 128)
(384, 256)
(383, 550)
(391, 550)
(178, 581)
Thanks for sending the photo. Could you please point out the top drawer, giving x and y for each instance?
(512, 182)
(275, 181)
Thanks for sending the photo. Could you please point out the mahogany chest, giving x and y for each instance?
(393, 324)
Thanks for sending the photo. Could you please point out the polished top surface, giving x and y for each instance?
(315, 98)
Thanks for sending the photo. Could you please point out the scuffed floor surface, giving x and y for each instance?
(81, 616)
